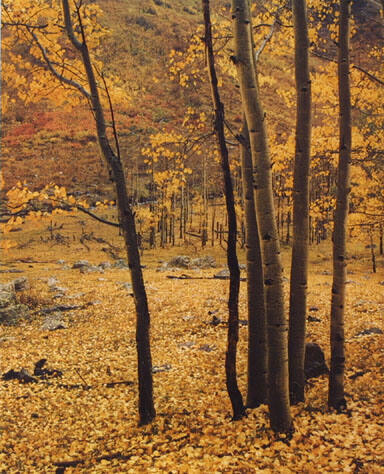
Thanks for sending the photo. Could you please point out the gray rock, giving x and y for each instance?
(61, 262)
(207, 261)
(7, 296)
(12, 314)
(161, 368)
(10, 310)
(207, 348)
(81, 264)
(21, 284)
(91, 269)
(187, 344)
(121, 263)
(222, 275)
(52, 281)
(125, 284)
(53, 322)
(367, 332)
(105, 265)
(180, 261)
(187, 317)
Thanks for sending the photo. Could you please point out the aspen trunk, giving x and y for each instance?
(273, 279)
(299, 265)
(336, 377)
(257, 330)
(233, 265)
(127, 224)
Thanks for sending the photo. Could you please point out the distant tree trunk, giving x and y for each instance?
(278, 382)
(257, 331)
(233, 265)
(127, 223)
(336, 397)
(204, 231)
(372, 246)
(299, 266)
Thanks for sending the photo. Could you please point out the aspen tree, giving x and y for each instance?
(127, 223)
(299, 265)
(336, 378)
(277, 326)
(233, 265)
(257, 343)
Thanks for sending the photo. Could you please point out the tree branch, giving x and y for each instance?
(68, 26)
(371, 76)
(51, 67)
(25, 25)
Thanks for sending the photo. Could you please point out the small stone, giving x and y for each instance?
(368, 332)
(161, 368)
(81, 264)
(61, 262)
(21, 284)
(313, 319)
(52, 281)
(187, 345)
(207, 348)
(54, 322)
(121, 263)
(188, 317)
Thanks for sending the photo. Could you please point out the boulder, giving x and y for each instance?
(222, 275)
(314, 364)
(10, 310)
(207, 261)
(180, 261)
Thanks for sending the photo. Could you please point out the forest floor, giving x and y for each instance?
(84, 421)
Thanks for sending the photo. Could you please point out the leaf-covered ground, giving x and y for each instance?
(79, 423)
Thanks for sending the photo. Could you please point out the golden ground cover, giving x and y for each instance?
(79, 420)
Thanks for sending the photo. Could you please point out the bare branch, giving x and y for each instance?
(25, 25)
(115, 135)
(265, 41)
(95, 216)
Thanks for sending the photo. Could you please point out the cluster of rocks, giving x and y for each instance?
(11, 311)
(184, 261)
(85, 267)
